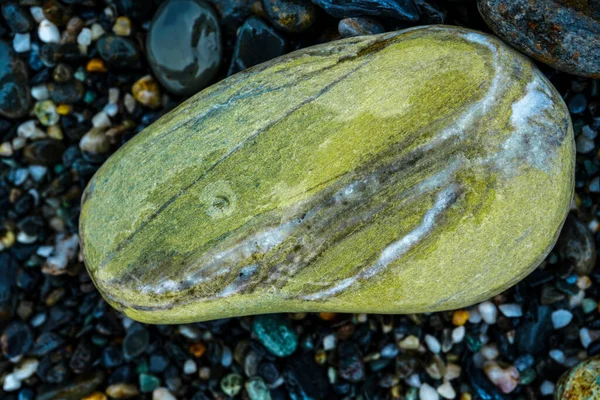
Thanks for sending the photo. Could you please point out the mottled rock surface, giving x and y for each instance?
(562, 33)
(580, 382)
(412, 171)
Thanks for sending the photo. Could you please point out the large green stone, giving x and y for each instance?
(406, 172)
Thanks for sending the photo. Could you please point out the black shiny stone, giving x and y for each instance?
(17, 18)
(404, 10)
(256, 43)
(189, 64)
(118, 52)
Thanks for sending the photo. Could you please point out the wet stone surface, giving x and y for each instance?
(562, 33)
(189, 64)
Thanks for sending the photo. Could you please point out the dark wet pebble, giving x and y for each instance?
(358, 26)
(432, 11)
(112, 357)
(16, 340)
(15, 100)
(66, 93)
(158, 363)
(292, 16)
(256, 43)
(351, 366)
(44, 152)
(7, 276)
(190, 63)
(17, 18)
(136, 341)
(118, 52)
(577, 247)
(563, 34)
(534, 330)
(80, 387)
(45, 343)
(404, 10)
(305, 379)
(483, 388)
(83, 356)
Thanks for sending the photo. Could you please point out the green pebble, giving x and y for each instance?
(527, 376)
(276, 334)
(45, 112)
(89, 96)
(231, 384)
(408, 172)
(473, 343)
(148, 383)
(257, 389)
(589, 305)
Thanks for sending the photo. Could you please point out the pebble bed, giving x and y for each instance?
(76, 82)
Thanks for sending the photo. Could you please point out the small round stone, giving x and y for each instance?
(231, 384)
(119, 51)
(16, 17)
(48, 32)
(276, 334)
(292, 16)
(122, 391)
(46, 113)
(162, 393)
(147, 92)
(561, 318)
(359, 26)
(580, 382)
(122, 26)
(15, 99)
(190, 63)
(257, 389)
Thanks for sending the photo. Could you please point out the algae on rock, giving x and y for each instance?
(411, 171)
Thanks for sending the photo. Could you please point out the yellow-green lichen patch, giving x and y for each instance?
(405, 172)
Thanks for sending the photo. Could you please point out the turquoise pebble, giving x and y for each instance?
(276, 334)
(148, 383)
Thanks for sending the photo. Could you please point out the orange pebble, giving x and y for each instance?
(95, 396)
(327, 316)
(466, 396)
(197, 349)
(460, 317)
(95, 65)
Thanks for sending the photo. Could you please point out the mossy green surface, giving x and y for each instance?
(411, 171)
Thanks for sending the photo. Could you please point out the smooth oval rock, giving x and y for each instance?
(412, 171)
(187, 65)
(580, 382)
(562, 33)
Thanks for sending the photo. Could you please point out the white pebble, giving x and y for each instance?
(547, 388)
(162, 393)
(585, 338)
(40, 92)
(511, 310)
(458, 334)
(433, 344)
(426, 392)
(111, 109)
(446, 390)
(474, 315)
(22, 42)
(26, 368)
(575, 301)
(189, 332)
(190, 367)
(413, 381)
(101, 120)
(490, 351)
(44, 251)
(24, 238)
(561, 318)
(129, 102)
(11, 383)
(85, 37)
(329, 342)
(411, 342)
(37, 13)
(332, 375)
(488, 312)
(558, 356)
(97, 31)
(453, 371)
(113, 95)
(37, 172)
(29, 130)
(48, 32)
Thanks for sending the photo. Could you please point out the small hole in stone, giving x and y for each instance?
(221, 203)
